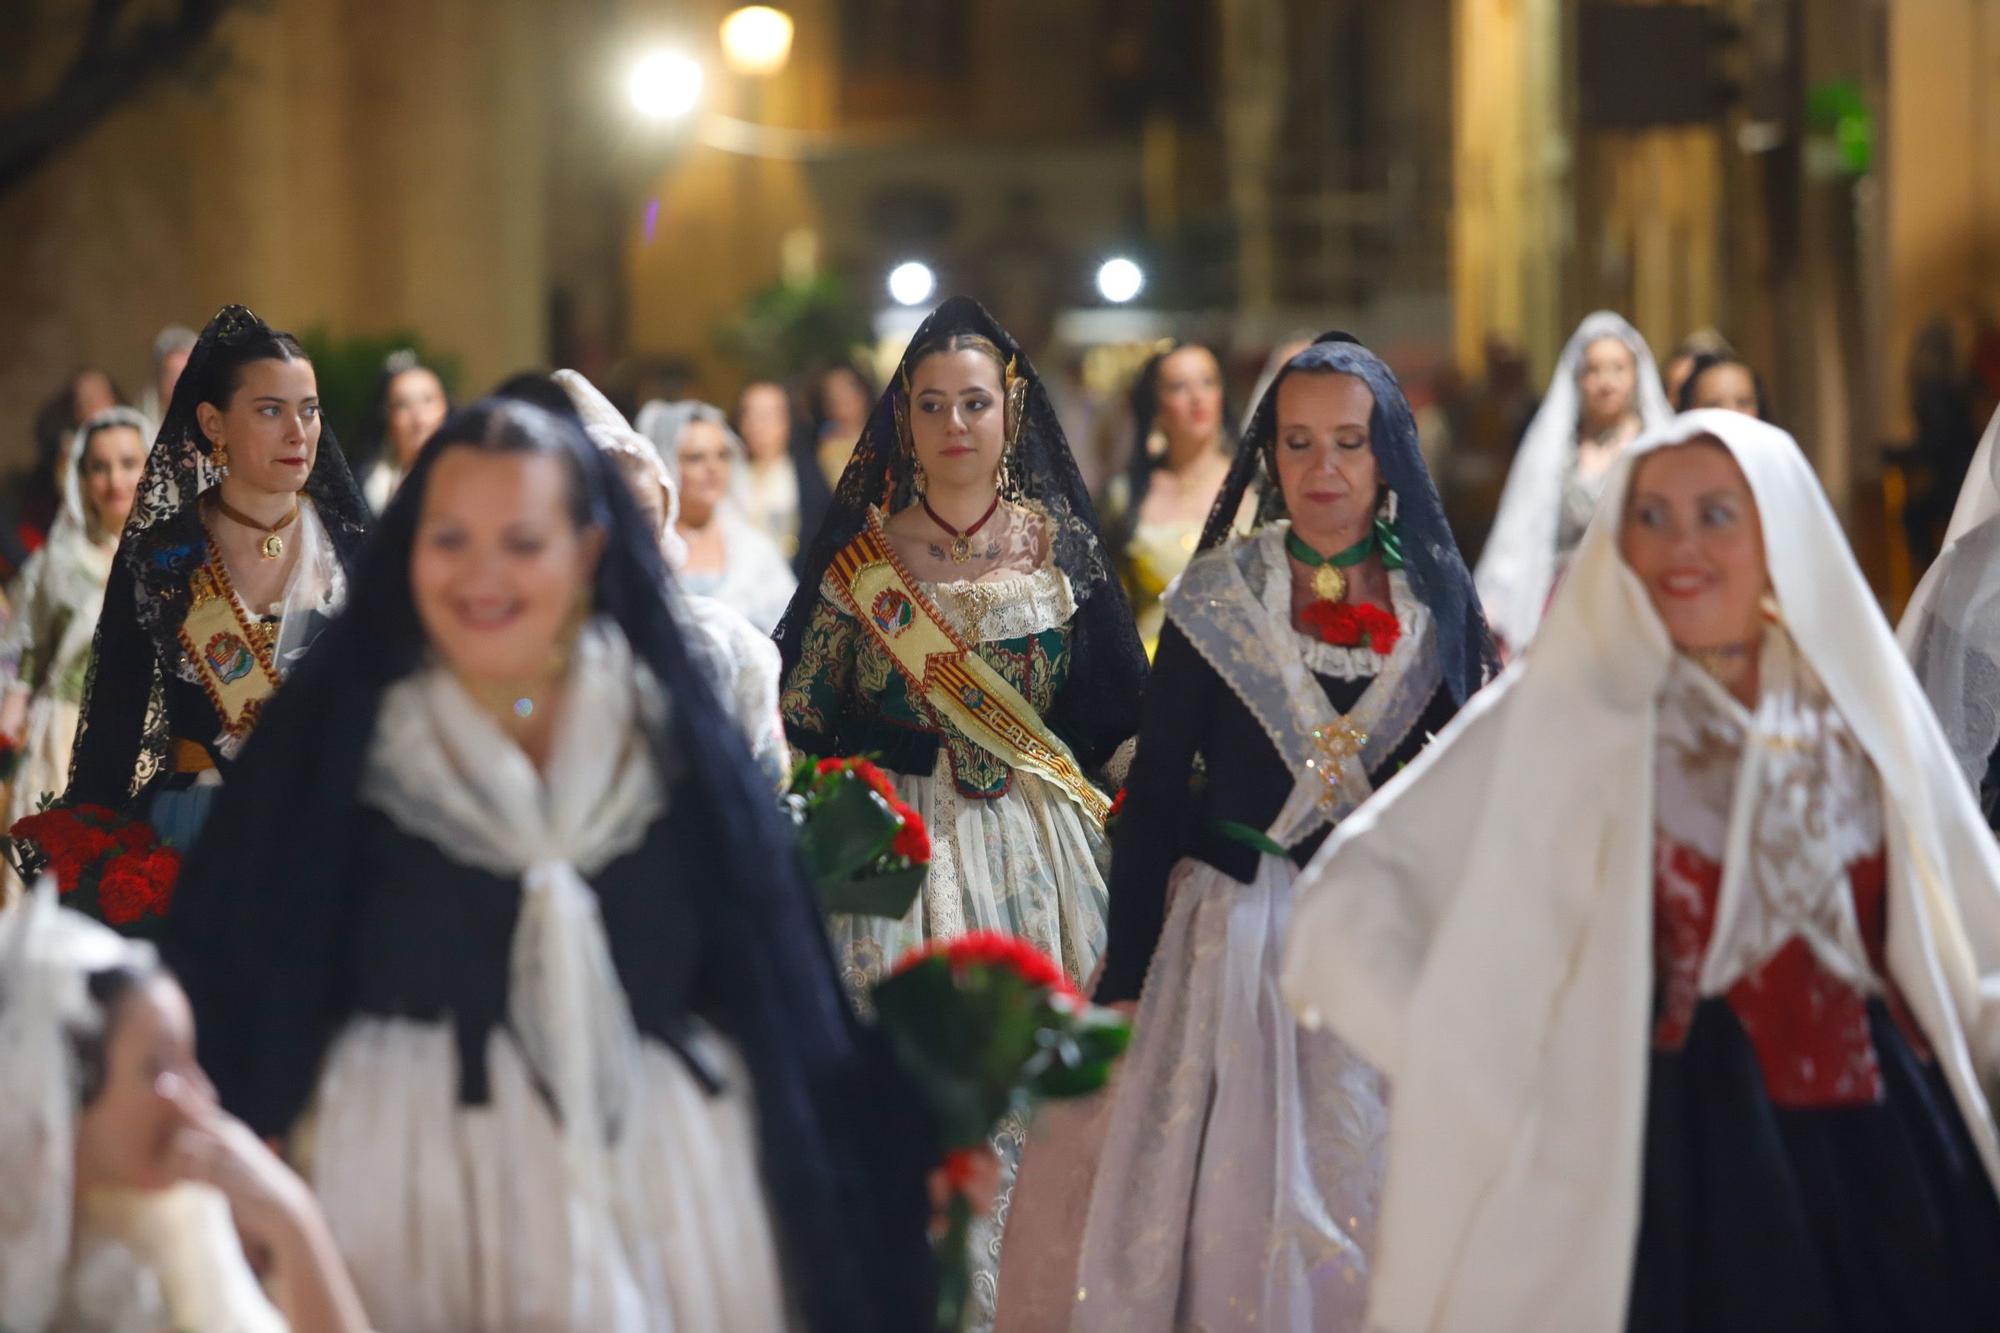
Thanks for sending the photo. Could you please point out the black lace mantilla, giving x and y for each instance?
(1436, 570)
(122, 731)
(1108, 665)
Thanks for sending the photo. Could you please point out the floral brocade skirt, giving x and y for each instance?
(1230, 1177)
(1027, 862)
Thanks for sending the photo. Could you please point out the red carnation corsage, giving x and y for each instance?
(1353, 625)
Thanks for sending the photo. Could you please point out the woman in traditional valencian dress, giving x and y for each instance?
(725, 555)
(741, 660)
(233, 559)
(1180, 455)
(1300, 666)
(959, 620)
(1604, 392)
(1680, 947)
(500, 929)
(45, 649)
(410, 403)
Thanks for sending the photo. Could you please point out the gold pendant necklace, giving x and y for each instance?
(1329, 581)
(273, 545)
(961, 542)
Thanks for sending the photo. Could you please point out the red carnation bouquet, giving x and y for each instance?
(868, 850)
(1352, 625)
(106, 865)
(986, 1025)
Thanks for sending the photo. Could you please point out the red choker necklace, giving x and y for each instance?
(961, 542)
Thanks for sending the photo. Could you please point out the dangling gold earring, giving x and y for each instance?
(218, 458)
(920, 482)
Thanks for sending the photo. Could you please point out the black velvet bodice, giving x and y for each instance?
(432, 937)
(1190, 711)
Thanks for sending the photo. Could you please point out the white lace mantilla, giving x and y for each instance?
(1006, 608)
(1785, 800)
(1247, 637)
(1323, 658)
(993, 609)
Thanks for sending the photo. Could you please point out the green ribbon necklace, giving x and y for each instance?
(1328, 582)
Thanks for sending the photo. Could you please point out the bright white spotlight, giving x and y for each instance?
(912, 283)
(1119, 280)
(757, 40)
(665, 85)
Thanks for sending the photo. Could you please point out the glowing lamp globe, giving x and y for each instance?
(757, 41)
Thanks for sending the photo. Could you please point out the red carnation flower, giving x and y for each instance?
(1379, 628)
(913, 840)
(124, 892)
(993, 948)
(876, 778)
(1352, 625)
(137, 836)
(71, 843)
(961, 1167)
(1117, 806)
(833, 765)
(163, 869)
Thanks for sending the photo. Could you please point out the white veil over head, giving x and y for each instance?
(47, 955)
(1517, 566)
(608, 430)
(1951, 628)
(72, 515)
(1482, 929)
(663, 422)
(757, 579)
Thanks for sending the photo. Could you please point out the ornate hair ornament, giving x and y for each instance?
(233, 321)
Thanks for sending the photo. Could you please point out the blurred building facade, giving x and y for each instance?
(1839, 189)
(1270, 163)
(344, 164)
(1428, 170)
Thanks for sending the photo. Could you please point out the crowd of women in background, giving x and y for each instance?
(1602, 937)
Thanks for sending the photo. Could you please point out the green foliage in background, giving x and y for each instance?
(794, 327)
(347, 369)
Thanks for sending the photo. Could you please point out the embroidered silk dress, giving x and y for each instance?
(1010, 851)
(1240, 1178)
(45, 645)
(995, 688)
(1229, 1178)
(1804, 1165)
(182, 665)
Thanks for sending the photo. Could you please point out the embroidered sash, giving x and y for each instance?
(1216, 604)
(231, 656)
(962, 686)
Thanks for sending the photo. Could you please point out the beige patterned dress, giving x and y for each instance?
(1010, 851)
